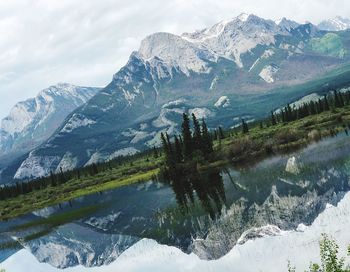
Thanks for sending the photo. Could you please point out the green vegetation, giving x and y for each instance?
(194, 151)
(330, 44)
(110, 175)
(286, 131)
(330, 260)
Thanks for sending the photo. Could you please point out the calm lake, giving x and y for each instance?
(221, 210)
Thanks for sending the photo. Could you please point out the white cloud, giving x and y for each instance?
(85, 42)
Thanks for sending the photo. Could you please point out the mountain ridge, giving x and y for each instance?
(242, 60)
(32, 121)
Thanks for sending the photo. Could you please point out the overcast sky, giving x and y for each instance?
(84, 42)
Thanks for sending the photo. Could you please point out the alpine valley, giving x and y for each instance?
(238, 68)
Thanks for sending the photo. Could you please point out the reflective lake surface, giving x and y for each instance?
(207, 213)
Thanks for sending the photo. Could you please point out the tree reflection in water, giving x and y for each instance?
(188, 184)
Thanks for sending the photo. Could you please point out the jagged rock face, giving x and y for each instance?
(244, 222)
(254, 55)
(32, 121)
(74, 245)
(336, 24)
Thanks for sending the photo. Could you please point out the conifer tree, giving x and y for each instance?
(178, 150)
(197, 133)
(221, 133)
(273, 119)
(206, 139)
(325, 103)
(337, 102)
(186, 137)
(165, 145)
(245, 128)
(155, 152)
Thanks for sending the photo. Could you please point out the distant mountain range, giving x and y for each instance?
(239, 68)
(33, 121)
(336, 24)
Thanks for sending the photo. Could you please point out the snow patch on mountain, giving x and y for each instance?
(193, 52)
(201, 113)
(67, 163)
(267, 53)
(95, 158)
(213, 83)
(177, 102)
(123, 152)
(175, 52)
(76, 121)
(292, 166)
(268, 72)
(34, 120)
(336, 24)
(36, 166)
(163, 121)
(255, 233)
(223, 102)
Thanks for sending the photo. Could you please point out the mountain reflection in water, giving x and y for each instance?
(205, 213)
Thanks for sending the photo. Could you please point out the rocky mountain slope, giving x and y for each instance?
(238, 68)
(336, 24)
(31, 122)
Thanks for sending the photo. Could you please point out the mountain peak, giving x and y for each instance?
(33, 120)
(338, 23)
(243, 17)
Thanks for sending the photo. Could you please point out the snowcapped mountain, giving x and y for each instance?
(31, 122)
(336, 24)
(245, 60)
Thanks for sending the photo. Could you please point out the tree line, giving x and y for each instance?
(328, 102)
(189, 144)
(60, 177)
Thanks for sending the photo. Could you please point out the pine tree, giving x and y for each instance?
(165, 146)
(186, 137)
(273, 119)
(178, 150)
(337, 102)
(245, 128)
(155, 152)
(325, 103)
(197, 133)
(221, 133)
(341, 100)
(206, 140)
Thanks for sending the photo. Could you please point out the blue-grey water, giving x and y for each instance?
(208, 218)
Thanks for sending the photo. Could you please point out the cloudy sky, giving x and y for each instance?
(84, 42)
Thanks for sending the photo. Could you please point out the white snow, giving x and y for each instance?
(67, 163)
(292, 166)
(95, 158)
(223, 102)
(123, 152)
(336, 24)
(201, 113)
(40, 113)
(76, 121)
(243, 17)
(36, 166)
(214, 83)
(267, 53)
(192, 52)
(270, 253)
(162, 119)
(267, 73)
(174, 103)
(304, 100)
